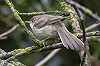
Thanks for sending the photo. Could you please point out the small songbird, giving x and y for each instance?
(49, 26)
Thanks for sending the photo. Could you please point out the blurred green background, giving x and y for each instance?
(19, 39)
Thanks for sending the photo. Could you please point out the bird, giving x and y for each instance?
(50, 26)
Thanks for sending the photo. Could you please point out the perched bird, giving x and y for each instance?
(49, 26)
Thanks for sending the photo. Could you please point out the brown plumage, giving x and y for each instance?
(44, 26)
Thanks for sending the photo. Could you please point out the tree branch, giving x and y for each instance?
(9, 31)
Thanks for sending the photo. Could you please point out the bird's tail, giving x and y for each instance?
(67, 38)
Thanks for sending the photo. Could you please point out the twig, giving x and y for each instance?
(86, 52)
(2, 51)
(48, 57)
(72, 17)
(88, 34)
(37, 13)
(93, 39)
(9, 31)
(91, 27)
(5, 55)
(84, 37)
(5, 37)
(84, 10)
(4, 62)
(33, 50)
(13, 57)
(49, 47)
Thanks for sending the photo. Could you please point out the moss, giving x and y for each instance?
(14, 52)
(51, 41)
(69, 11)
(14, 64)
(33, 38)
(26, 50)
(19, 19)
(64, 5)
(58, 11)
(72, 17)
(9, 3)
(32, 35)
(76, 34)
(38, 50)
(72, 20)
(35, 13)
(93, 32)
(93, 38)
(87, 10)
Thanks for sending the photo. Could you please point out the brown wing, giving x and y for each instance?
(68, 39)
(40, 23)
(43, 20)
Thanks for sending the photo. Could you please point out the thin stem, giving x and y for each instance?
(9, 31)
(48, 57)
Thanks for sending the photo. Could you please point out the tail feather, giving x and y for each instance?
(69, 36)
(68, 39)
(78, 44)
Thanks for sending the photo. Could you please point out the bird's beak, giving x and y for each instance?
(27, 21)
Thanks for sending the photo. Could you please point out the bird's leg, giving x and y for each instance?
(45, 39)
(56, 40)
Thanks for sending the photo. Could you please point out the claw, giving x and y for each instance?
(43, 42)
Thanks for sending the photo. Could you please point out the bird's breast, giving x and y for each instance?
(45, 32)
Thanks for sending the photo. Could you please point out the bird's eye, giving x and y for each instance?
(33, 20)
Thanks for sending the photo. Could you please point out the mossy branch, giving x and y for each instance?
(42, 12)
(72, 17)
(33, 38)
(84, 10)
